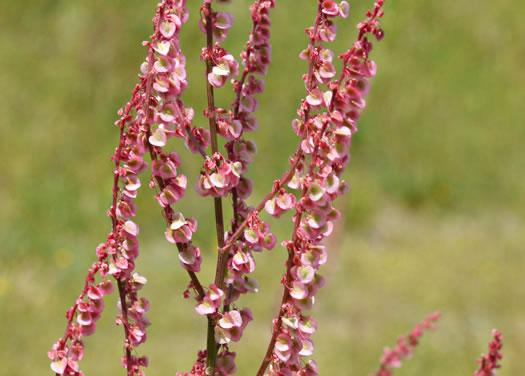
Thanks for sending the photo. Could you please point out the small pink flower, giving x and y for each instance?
(126, 208)
(59, 366)
(94, 293)
(88, 330)
(190, 258)
(307, 325)
(206, 307)
(181, 230)
(173, 192)
(158, 137)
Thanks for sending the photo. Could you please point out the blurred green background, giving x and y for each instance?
(434, 219)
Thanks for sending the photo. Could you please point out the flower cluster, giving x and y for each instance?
(174, 185)
(181, 230)
(255, 59)
(230, 325)
(293, 328)
(293, 343)
(257, 234)
(211, 301)
(281, 203)
(218, 176)
(405, 347)
(224, 67)
(165, 71)
(255, 237)
(489, 362)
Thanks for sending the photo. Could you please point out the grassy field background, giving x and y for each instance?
(434, 219)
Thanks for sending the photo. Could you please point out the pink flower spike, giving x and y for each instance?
(392, 358)
(489, 362)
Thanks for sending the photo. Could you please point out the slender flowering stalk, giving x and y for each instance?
(404, 348)
(255, 59)
(489, 363)
(167, 116)
(117, 256)
(326, 124)
(222, 175)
